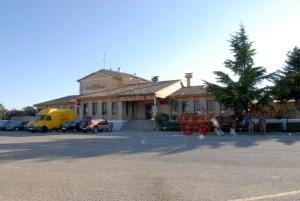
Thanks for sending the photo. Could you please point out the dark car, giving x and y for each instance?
(95, 124)
(71, 126)
(16, 125)
(3, 124)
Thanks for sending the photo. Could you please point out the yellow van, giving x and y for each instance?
(50, 119)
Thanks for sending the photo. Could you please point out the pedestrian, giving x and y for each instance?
(217, 126)
(249, 121)
(233, 123)
(262, 124)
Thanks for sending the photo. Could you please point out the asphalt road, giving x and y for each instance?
(148, 166)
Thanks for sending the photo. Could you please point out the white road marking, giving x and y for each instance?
(264, 197)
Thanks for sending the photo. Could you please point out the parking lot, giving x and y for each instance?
(148, 166)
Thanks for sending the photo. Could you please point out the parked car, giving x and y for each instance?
(71, 126)
(3, 124)
(16, 125)
(95, 124)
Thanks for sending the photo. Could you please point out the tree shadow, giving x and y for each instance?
(86, 146)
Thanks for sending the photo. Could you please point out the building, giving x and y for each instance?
(67, 102)
(122, 97)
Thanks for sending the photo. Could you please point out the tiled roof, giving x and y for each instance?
(62, 100)
(113, 73)
(190, 91)
(139, 89)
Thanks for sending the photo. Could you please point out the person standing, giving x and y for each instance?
(249, 121)
(233, 124)
(217, 126)
(262, 124)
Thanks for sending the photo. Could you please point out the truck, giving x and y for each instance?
(50, 119)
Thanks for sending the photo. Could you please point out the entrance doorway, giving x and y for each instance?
(148, 111)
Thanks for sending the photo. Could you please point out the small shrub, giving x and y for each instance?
(293, 127)
(161, 118)
(274, 127)
(170, 126)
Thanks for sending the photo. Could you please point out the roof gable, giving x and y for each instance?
(150, 88)
(115, 74)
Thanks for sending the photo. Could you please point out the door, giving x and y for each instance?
(148, 111)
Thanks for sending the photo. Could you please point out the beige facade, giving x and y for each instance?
(120, 96)
(105, 79)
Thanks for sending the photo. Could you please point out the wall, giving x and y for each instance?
(102, 81)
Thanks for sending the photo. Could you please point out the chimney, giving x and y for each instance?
(154, 78)
(188, 77)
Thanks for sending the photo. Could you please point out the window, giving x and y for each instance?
(127, 108)
(48, 118)
(95, 109)
(197, 106)
(185, 107)
(85, 109)
(174, 110)
(104, 108)
(210, 105)
(174, 106)
(114, 108)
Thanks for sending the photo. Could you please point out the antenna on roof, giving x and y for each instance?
(104, 60)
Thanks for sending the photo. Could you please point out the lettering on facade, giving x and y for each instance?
(95, 86)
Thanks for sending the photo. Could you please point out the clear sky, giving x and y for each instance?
(46, 46)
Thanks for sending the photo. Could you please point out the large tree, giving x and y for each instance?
(287, 82)
(29, 111)
(243, 92)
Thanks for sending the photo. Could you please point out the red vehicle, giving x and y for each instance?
(190, 123)
(95, 124)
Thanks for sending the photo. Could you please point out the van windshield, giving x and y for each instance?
(39, 117)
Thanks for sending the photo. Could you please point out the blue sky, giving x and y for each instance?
(45, 46)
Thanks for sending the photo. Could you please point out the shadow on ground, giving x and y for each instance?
(72, 146)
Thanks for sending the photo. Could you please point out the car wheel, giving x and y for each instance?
(17, 129)
(44, 129)
(95, 129)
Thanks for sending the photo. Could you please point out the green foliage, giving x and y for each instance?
(287, 81)
(26, 111)
(13, 113)
(161, 118)
(274, 127)
(2, 111)
(243, 94)
(293, 127)
(170, 126)
(29, 111)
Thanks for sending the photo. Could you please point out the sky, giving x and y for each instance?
(46, 46)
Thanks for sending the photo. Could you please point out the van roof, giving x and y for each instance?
(52, 110)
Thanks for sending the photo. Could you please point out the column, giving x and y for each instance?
(154, 108)
(191, 103)
(81, 110)
(109, 113)
(90, 108)
(100, 107)
(217, 108)
(120, 110)
(179, 107)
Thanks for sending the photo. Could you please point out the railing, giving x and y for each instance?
(277, 115)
